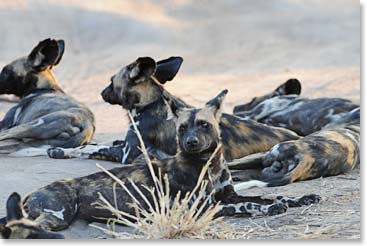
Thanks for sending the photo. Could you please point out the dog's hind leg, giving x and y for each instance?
(46, 127)
(324, 153)
(268, 206)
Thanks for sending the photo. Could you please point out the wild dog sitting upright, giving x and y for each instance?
(45, 116)
(139, 87)
(55, 206)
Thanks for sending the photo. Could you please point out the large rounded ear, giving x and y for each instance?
(47, 53)
(142, 69)
(290, 87)
(215, 104)
(14, 207)
(61, 45)
(167, 69)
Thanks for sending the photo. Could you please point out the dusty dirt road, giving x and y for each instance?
(248, 47)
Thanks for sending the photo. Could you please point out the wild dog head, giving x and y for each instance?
(32, 72)
(17, 226)
(140, 83)
(198, 131)
(290, 87)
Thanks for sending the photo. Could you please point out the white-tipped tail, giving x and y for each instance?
(249, 184)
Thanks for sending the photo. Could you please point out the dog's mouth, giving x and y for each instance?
(129, 100)
(200, 154)
(207, 148)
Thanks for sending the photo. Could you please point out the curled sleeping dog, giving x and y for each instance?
(55, 206)
(139, 87)
(45, 116)
(331, 127)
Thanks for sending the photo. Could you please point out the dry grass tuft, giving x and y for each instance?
(166, 217)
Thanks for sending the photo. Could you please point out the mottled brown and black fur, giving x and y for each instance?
(45, 116)
(55, 206)
(139, 87)
(331, 144)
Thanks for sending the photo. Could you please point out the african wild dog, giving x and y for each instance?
(138, 87)
(55, 206)
(45, 116)
(301, 115)
(330, 147)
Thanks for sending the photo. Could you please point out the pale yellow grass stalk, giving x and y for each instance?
(166, 217)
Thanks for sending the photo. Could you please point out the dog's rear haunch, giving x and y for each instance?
(55, 206)
(45, 116)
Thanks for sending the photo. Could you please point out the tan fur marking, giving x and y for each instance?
(303, 169)
(207, 115)
(342, 140)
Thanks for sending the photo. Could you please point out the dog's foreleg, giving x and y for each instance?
(299, 201)
(84, 151)
(31, 151)
(251, 209)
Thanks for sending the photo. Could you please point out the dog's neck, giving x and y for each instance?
(44, 82)
(202, 158)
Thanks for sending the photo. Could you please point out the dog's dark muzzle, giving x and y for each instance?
(3, 85)
(109, 95)
(126, 99)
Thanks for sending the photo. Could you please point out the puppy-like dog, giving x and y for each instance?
(55, 206)
(45, 116)
(139, 87)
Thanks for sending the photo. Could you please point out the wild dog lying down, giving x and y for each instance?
(301, 115)
(331, 144)
(55, 206)
(139, 87)
(45, 116)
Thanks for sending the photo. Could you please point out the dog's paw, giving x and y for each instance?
(56, 153)
(277, 208)
(310, 199)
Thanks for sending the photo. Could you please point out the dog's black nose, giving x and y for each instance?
(192, 141)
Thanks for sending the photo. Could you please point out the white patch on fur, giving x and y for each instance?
(38, 122)
(249, 184)
(291, 167)
(126, 151)
(57, 214)
(38, 60)
(274, 151)
(273, 105)
(16, 115)
(220, 185)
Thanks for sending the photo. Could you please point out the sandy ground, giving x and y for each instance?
(248, 47)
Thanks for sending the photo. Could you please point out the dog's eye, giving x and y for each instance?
(182, 127)
(204, 124)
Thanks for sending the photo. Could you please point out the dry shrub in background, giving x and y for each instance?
(167, 217)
